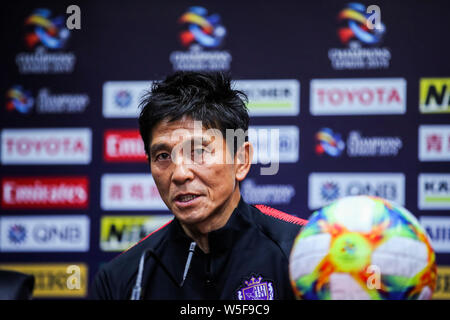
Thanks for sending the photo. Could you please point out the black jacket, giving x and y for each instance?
(248, 259)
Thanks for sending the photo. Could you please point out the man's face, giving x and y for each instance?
(193, 170)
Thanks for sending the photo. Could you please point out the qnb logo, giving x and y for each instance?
(386, 190)
(45, 30)
(327, 187)
(329, 142)
(330, 191)
(17, 234)
(201, 28)
(48, 233)
(44, 233)
(19, 99)
(358, 24)
(123, 98)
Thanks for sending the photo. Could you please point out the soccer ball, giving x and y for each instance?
(362, 248)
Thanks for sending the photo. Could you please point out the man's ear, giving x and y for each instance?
(243, 160)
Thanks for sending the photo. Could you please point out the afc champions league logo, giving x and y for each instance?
(362, 38)
(201, 33)
(204, 29)
(356, 26)
(42, 29)
(19, 99)
(45, 36)
(329, 142)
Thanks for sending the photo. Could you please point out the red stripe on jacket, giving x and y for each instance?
(280, 215)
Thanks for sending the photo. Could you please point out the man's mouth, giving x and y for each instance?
(186, 198)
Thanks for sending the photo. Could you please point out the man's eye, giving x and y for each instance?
(162, 156)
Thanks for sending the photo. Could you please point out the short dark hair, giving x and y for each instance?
(206, 97)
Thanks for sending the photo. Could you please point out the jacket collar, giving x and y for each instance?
(219, 240)
(174, 250)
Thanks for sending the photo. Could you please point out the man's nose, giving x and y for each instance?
(182, 171)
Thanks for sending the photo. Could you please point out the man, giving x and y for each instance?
(217, 246)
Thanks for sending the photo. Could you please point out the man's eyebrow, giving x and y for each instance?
(164, 146)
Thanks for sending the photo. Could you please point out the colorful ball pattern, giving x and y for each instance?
(362, 248)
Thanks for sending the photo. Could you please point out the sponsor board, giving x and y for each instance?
(434, 191)
(46, 146)
(274, 144)
(325, 188)
(434, 95)
(45, 192)
(267, 194)
(130, 192)
(118, 233)
(442, 291)
(55, 280)
(362, 146)
(123, 146)
(370, 96)
(48, 102)
(434, 142)
(438, 229)
(271, 97)
(44, 234)
(361, 34)
(127, 145)
(47, 35)
(121, 99)
(331, 143)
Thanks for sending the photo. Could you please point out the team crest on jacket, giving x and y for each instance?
(256, 288)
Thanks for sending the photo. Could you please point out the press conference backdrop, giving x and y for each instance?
(362, 106)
